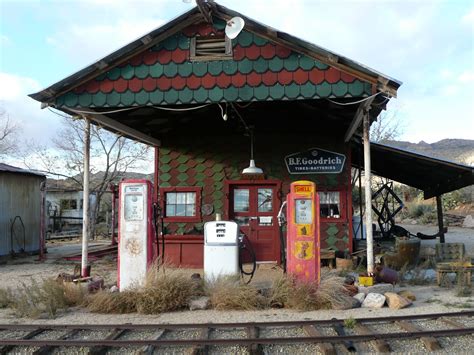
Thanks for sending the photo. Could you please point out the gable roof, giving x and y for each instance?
(384, 83)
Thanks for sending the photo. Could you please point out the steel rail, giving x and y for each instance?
(238, 341)
(233, 324)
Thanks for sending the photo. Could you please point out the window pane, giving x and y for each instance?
(171, 197)
(241, 200)
(265, 199)
(181, 198)
(190, 197)
(170, 210)
(330, 206)
(190, 210)
(181, 210)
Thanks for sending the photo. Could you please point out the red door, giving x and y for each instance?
(254, 206)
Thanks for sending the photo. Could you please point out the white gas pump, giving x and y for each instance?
(221, 249)
(137, 244)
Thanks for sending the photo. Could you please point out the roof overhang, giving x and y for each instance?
(431, 175)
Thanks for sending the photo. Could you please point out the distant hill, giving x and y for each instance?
(456, 150)
(67, 184)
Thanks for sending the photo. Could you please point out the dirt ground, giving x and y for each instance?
(430, 298)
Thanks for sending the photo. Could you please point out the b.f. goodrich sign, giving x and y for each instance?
(314, 161)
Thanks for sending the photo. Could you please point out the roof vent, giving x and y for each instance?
(211, 48)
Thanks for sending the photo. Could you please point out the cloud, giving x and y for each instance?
(466, 77)
(4, 40)
(36, 124)
(468, 18)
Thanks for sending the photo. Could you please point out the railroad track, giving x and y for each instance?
(326, 336)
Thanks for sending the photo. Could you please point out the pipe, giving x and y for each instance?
(42, 223)
(114, 208)
(85, 270)
(368, 194)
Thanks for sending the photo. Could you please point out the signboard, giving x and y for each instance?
(315, 161)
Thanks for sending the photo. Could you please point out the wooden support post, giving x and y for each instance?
(156, 181)
(368, 194)
(85, 197)
(439, 208)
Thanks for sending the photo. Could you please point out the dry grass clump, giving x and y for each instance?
(309, 296)
(166, 291)
(44, 298)
(112, 302)
(162, 292)
(6, 297)
(228, 293)
(280, 291)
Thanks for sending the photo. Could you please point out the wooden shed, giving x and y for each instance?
(20, 210)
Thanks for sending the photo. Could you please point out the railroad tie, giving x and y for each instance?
(201, 349)
(149, 349)
(380, 345)
(7, 348)
(101, 350)
(452, 322)
(430, 342)
(326, 348)
(253, 333)
(47, 349)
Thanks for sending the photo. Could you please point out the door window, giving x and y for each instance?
(265, 200)
(241, 200)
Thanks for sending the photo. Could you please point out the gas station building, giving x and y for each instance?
(207, 103)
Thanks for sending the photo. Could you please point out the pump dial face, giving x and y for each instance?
(133, 207)
(303, 211)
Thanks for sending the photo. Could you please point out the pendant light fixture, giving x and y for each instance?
(252, 169)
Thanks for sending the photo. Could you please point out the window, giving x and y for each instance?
(330, 204)
(181, 204)
(68, 204)
(211, 48)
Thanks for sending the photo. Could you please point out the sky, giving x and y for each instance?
(426, 44)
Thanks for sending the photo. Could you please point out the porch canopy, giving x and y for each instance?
(156, 88)
(431, 175)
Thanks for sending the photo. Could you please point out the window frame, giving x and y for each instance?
(342, 201)
(191, 219)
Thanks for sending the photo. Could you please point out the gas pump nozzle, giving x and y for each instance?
(282, 216)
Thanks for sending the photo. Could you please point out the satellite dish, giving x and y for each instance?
(234, 27)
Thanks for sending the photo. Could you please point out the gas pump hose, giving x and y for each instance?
(246, 245)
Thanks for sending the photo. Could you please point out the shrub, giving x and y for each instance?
(279, 293)
(6, 298)
(228, 293)
(166, 291)
(112, 302)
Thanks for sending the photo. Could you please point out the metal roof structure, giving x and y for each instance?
(13, 169)
(431, 175)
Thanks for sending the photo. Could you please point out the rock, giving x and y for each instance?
(114, 289)
(97, 283)
(378, 288)
(430, 275)
(348, 303)
(351, 289)
(349, 280)
(468, 222)
(408, 295)
(373, 300)
(199, 303)
(360, 297)
(395, 301)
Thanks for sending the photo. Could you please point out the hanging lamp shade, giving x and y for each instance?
(252, 169)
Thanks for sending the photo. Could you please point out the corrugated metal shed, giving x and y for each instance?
(20, 210)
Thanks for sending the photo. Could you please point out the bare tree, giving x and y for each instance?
(111, 157)
(387, 127)
(8, 132)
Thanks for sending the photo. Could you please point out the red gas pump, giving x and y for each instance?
(136, 232)
(303, 233)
